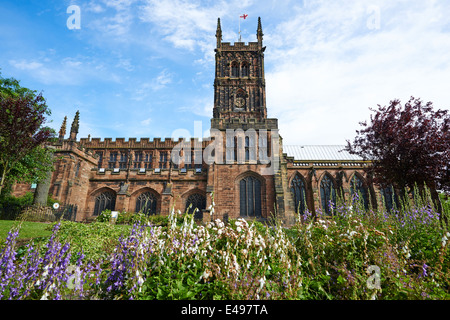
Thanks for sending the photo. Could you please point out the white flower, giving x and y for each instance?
(262, 281)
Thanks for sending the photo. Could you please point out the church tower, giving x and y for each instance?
(245, 177)
(239, 85)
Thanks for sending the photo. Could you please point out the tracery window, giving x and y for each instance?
(358, 191)
(234, 69)
(104, 201)
(163, 160)
(148, 161)
(146, 203)
(327, 193)
(245, 69)
(100, 159)
(196, 201)
(298, 191)
(390, 198)
(138, 156)
(250, 197)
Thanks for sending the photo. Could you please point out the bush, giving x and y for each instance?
(96, 240)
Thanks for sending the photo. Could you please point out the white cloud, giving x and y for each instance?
(161, 81)
(146, 122)
(25, 65)
(325, 68)
(64, 71)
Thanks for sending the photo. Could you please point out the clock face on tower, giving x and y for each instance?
(239, 102)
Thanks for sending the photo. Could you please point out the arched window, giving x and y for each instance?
(327, 193)
(146, 203)
(250, 197)
(247, 148)
(245, 69)
(298, 191)
(389, 198)
(198, 201)
(358, 191)
(234, 69)
(104, 201)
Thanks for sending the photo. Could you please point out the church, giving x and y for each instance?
(242, 171)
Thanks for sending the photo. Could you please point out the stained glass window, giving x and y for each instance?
(327, 193)
(104, 201)
(250, 197)
(198, 201)
(146, 203)
(298, 191)
(358, 190)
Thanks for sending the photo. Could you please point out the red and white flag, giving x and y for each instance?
(244, 16)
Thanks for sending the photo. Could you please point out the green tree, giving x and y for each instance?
(23, 136)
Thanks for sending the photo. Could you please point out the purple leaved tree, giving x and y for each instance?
(408, 144)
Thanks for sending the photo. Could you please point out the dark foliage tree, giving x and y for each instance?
(408, 145)
(22, 133)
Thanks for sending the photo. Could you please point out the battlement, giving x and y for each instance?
(75, 148)
(238, 46)
(134, 143)
(239, 123)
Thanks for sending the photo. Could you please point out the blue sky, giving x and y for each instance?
(144, 68)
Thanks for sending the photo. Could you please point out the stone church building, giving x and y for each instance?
(243, 167)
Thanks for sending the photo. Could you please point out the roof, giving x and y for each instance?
(319, 152)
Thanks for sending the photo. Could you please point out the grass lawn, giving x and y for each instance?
(27, 231)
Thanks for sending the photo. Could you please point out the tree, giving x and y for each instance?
(23, 155)
(407, 145)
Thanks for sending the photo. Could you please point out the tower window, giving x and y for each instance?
(234, 69)
(245, 69)
(250, 197)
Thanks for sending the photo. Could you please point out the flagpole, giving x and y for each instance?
(239, 28)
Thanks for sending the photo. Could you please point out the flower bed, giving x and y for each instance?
(352, 254)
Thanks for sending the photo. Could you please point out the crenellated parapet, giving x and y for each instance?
(239, 46)
(237, 121)
(72, 147)
(134, 143)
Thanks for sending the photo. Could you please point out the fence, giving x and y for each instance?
(38, 213)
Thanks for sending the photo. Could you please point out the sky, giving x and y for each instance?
(145, 68)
